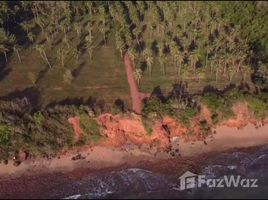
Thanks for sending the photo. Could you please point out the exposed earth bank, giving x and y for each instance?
(127, 143)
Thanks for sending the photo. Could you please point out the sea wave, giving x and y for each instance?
(139, 183)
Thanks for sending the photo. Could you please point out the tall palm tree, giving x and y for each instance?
(61, 53)
(149, 60)
(194, 58)
(119, 43)
(16, 49)
(132, 55)
(138, 75)
(30, 37)
(42, 52)
(162, 57)
(4, 50)
(162, 61)
(179, 58)
(77, 29)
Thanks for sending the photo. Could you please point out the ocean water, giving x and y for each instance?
(140, 183)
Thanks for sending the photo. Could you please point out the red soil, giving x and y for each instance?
(242, 116)
(136, 96)
(75, 122)
(123, 129)
(120, 130)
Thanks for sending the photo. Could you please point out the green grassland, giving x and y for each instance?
(102, 77)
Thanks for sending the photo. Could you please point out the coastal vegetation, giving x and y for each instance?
(61, 59)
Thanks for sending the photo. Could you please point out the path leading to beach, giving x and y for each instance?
(136, 96)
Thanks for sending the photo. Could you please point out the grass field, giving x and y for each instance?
(194, 85)
(102, 77)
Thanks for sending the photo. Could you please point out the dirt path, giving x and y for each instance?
(136, 96)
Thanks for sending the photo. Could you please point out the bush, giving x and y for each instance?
(187, 114)
(147, 124)
(259, 107)
(38, 118)
(5, 134)
(212, 101)
(218, 105)
(90, 128)
(205, 129)
(155, 105)
(257, 103)
(214, 118)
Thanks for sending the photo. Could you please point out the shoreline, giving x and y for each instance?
(103, 157)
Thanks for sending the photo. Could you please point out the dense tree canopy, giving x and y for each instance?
(197, 36)
(219, 40)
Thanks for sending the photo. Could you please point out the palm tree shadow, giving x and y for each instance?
(143, 66)
(31, 93)
(157, 92)
(4, 71)
(119, 103)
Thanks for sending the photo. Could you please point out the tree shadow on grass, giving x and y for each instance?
(157, 92)
(32, 94)
(119, 103)
(4, 71)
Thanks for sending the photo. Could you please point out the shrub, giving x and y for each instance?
(187, 114)
(205, 129)
(258, 106)
(218, 105)
(147, 124)
(155, 105)
(214, 118)
(90, 128)
(5, 134)
(38, 118)
(212, 101)
(257, 103)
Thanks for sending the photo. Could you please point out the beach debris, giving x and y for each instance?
(78, 157)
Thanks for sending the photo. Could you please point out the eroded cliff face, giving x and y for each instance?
(120, 130)
(123, 129)
(243, 116)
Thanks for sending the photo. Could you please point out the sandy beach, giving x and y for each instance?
(227, 138)
(101, 157)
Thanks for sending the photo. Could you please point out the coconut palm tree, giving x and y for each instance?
(30, 36)
(162, 57)
(194, 58)
(119, 43)
(149, 59)
(16, 49)
(162, 61)
(77, 29)
(61, 53)
(179, 58)
(132, 55)
(4, 50)
(42, 52)
(138, 75)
